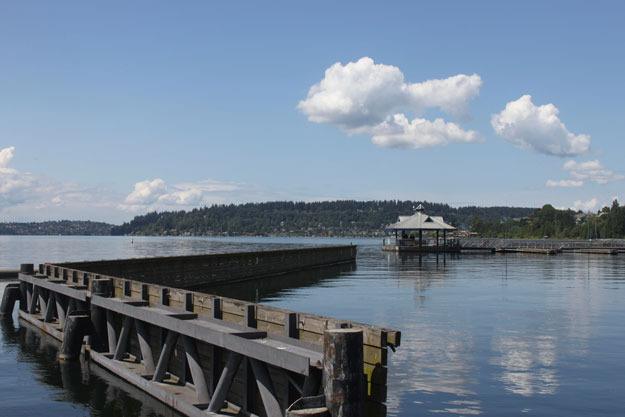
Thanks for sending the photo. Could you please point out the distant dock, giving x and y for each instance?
(542, 246)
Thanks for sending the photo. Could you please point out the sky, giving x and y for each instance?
(112, 110)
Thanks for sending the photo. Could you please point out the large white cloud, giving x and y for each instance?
(157, 194)
(365, 97)
(399, 132)
(538, 128)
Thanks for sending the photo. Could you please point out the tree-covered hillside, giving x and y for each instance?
(326, 218)
(60, 227)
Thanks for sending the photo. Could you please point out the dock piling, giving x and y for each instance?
(343, 372)
(98, 338)
(76, 327)
(9, 297)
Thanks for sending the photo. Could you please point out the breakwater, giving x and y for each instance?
(201, 353)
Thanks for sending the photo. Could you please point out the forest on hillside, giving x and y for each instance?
(58, 227)
(326, 218)
(344, 218)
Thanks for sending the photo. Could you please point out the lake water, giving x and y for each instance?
(488, 335)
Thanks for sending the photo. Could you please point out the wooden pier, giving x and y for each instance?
(203, 354)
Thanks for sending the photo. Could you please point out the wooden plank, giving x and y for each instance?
(233, 307)
(268, 327)
(373, 355)
(271, 315)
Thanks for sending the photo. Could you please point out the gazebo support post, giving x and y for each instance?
(445, 240)
(420, 240)
(436, 240)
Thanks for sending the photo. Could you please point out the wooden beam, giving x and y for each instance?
(266, 389)
(225, 381)
(33, 300)
(110, 331)
(122, 343)
(61, 308)
(197, 373)
(163, 359)
(144, 345)
(50, 306)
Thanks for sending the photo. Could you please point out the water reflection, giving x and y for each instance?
(528, 364)
(278, 286)
(72, 388)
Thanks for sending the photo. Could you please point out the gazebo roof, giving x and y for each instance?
(420, 221)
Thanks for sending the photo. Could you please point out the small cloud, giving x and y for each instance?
(591, 171)
(6, 156)
(538, 128)
(586, 206)
(564, 183)
(25, 195)
(363, 97)
(156, 194)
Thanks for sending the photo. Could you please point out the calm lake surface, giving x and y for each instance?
(488, 335)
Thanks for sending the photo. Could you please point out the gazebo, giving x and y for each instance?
(408, 233)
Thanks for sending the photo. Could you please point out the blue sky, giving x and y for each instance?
(107, 112)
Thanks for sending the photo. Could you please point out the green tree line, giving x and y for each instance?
(607, 223)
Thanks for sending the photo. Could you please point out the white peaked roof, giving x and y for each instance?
(420, 221)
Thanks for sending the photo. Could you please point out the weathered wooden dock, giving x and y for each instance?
(204, 354)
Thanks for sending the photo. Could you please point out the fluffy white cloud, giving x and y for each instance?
(399, 132)
(591, 171)
(156, 194)
(538, 128)
(13, 184)
(146, 192)
(564, 183)
(365, 97)
(588, 205)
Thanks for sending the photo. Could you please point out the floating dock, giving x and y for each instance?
(204, 354)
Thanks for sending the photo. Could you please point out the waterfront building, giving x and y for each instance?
(420, 232)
